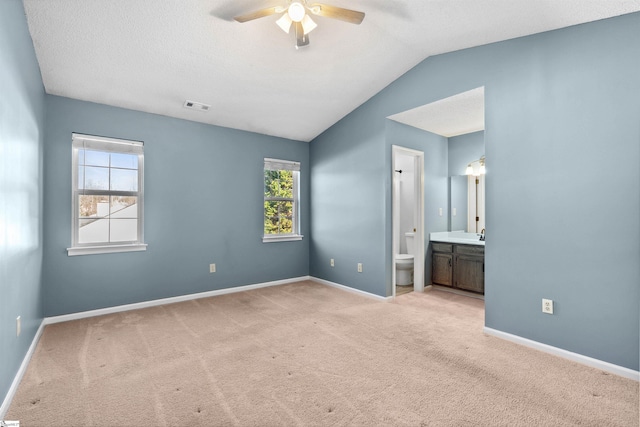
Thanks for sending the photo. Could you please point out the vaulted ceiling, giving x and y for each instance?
(153, 55)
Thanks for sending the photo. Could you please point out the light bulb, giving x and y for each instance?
(483, 170)
(469, 170)
(296, 12)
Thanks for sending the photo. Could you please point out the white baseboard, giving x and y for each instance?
(23, 368)
(348, 289)
(171, 300)
(207, 294)
(575, 357)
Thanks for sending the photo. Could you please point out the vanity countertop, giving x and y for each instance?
(457, 237)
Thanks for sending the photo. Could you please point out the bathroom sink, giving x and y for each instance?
(457, 237)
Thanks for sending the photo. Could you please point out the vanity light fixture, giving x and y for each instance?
(481, 168)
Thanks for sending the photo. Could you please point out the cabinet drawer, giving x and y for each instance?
(470, 249)
(442, 247)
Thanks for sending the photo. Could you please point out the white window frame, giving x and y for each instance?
(277, 164)
(98, 143)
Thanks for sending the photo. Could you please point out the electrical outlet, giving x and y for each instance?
(212, 268)
(359, 267)
(547, 306)
(18, 326)
(333, 264)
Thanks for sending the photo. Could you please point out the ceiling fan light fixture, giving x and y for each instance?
(284, 22)
(296, 12)
(308, 25)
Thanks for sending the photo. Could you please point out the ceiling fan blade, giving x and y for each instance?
(302, 39)
(334, 12)
(258, 14)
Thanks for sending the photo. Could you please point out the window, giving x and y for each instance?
(107, 186)
(281, 200)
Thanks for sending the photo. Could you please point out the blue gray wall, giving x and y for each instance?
(348, 222)
(562, 136)
(464, 149)
(203, 204)
(563, 199)
(21, 124)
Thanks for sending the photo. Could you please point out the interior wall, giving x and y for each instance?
(347, 221)
(21, 124)
(203, 203)
(561, 136)
(464, 149)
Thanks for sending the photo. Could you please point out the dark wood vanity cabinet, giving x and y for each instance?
(442, 267)
(458, 266)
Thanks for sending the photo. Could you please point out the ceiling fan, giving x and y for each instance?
(296, 14)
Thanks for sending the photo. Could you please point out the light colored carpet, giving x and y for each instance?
(308, 354)
(401, 290)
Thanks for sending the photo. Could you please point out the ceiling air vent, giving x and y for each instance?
(199, 106)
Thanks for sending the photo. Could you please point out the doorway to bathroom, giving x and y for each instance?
(408, 220)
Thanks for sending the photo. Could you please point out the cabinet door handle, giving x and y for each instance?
(483, 267)
(450, 264)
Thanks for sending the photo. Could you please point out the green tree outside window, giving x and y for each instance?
(278, 202)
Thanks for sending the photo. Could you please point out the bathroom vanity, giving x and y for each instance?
(458, 261)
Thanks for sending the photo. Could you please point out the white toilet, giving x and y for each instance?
(404, 263)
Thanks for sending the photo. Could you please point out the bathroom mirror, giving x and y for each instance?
(465, 201)
(458, 208)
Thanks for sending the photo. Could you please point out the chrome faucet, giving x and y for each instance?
(482, 235)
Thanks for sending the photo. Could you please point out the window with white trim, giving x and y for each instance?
(107, 182)
(281, 200)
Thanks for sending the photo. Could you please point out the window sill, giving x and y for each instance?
(93, 250)
(284, 238)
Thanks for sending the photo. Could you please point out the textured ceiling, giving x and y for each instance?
(456, 115)
(152, 55)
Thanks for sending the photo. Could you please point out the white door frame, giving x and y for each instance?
(475, 204)
(418, 260)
